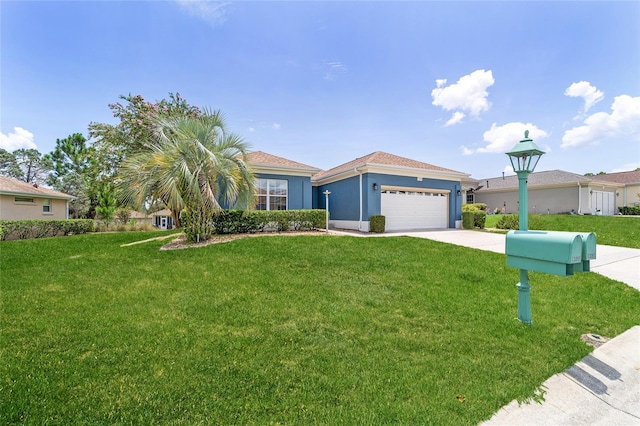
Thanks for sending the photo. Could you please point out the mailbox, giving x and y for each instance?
(557, 253)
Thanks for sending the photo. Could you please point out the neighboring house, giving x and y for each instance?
(410, 194)
(630, 193)
(20, 200)
(553, 191)
(282, 184)
(161, 219)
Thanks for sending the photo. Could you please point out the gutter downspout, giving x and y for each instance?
(355, 169)
(579, 198)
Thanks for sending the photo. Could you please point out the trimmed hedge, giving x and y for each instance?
(377, 223)
(251, 221)
(467, 219)
(473, 219)
(474, 207)
(27, 229)
(629, 210)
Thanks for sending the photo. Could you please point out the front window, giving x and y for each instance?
(470, 198)
(46, 206)
(272, 194)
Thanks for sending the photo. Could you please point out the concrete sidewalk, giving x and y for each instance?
(601, 389)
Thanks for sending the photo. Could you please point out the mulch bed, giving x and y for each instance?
(181, 243)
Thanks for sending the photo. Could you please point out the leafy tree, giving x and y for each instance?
(33, 166)
(107, 204)
(75, 184)
(8, 165)
(76, 172)
(72, 154)
(192, 163)
(135, 131)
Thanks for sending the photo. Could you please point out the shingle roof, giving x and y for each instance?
(264, 159)
(383, 159)
(621, 177)
(550, 177)
(14, 186)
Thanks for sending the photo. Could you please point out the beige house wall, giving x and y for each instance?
(629, 196)
(12, 210)
(543, 201)
(550, 200)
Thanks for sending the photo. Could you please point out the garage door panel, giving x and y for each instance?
(414, 210)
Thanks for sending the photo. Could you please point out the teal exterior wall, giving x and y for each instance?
(345, 195)
(299, 190)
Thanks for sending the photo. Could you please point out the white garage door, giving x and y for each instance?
(405, 210)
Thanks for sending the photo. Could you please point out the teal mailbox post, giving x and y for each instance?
(550, 252)
(524, 157)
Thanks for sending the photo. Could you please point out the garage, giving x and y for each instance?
(414, 208)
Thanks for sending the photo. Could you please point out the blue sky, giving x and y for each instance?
(453, 84)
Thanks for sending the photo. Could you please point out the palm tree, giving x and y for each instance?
(192, 164)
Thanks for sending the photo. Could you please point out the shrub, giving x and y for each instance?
(467, 219)
(479, 218)
(243, 222)
(123, 214)
(508, 221)
(512, 221)
(629, 210)
(377, 223)
(27, 229)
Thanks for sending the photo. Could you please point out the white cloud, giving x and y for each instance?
(501, 139)
(212, 12)
(20, 138)
(276, 126)
(584, 90)
(466, 151)
(508, 170)
(251, 129)
(455, 118)
(626, 167)
(468, 94)
(624, 121)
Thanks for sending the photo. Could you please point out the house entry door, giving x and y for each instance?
(163, 223)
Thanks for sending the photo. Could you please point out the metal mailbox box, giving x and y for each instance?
(557, 253)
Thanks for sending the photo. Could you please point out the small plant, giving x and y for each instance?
(377, 224)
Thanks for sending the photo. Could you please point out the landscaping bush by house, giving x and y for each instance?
(377, 223)
(27, 229)
(629, 210)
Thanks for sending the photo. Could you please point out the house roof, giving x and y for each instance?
(621, 177)
(546, 178)
(262, 159)
(11, 186)
(385, 159)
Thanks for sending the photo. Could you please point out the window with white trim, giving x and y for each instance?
(470, 197)
(46, 205)
(272, 194)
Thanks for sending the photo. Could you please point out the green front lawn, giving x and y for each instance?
(622, 231)
(282, 329)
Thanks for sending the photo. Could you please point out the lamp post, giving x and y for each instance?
(524, 157)
(326, 195)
